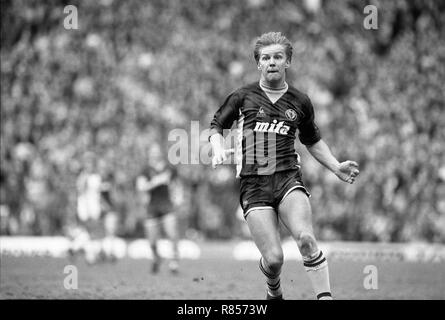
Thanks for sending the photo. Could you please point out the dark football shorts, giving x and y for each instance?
(267, 192)
(159, 209)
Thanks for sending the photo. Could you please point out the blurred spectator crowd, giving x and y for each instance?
(135, 70)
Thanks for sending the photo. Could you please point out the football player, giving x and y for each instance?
(270, 114)
(153, 184)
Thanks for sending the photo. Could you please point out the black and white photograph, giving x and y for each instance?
(222, 150)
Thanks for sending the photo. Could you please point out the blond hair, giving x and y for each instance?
(270, 38)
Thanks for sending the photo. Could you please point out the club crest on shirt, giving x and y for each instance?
(291, 114)
(261, 113)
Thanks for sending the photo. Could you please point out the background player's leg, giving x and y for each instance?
(110, 221)
(93, 245)
(296, 214)
(79, 234)
(263, 225)
(171, 231)
(152, 232)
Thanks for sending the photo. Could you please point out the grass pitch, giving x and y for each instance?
(215, 279)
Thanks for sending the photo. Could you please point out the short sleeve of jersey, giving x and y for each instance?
(226, 114)
(309, 133)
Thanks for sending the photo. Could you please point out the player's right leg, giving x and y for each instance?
(86, 243)
(110, 225)
(79, 234)
(152, 232)
(263, 225)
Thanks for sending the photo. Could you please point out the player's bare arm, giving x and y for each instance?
(346, 171)
(160, 179)
(143, 184)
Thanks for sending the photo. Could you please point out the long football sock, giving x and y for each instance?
(317, 269)
(272, 279)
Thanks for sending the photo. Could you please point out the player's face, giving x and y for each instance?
(273, 63)
(90, 165)
(156, 158)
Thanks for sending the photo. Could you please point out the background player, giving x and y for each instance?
(153, 185)
(269, 113)
(110, 215)
(95, 231)
(85, 236)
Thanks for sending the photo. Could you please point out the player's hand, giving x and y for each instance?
(220, 156)
(347, 171)
(141, 183)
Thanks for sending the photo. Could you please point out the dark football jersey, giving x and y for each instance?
(267, 131)
(159, 195)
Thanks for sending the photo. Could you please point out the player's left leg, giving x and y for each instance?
(171, 230)
(152, 230)
(296, 214)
